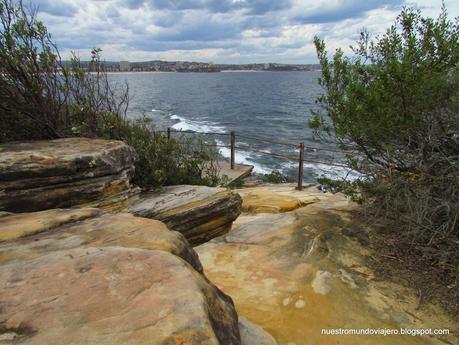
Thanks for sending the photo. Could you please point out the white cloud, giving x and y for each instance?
(219, 31)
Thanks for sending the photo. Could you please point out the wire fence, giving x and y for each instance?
(300, 147)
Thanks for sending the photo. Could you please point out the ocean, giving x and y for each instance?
(271, 105)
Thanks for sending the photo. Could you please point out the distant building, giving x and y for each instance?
(125, 66)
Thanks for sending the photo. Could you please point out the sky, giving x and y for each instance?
(218, 31)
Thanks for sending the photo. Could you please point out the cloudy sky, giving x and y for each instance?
(220, 31)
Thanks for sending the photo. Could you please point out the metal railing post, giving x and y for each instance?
(232, 144)
(168, 133)
(300, 167)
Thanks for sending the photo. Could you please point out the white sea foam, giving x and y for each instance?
(325, 170)
(156, 110)
(196, 126)
(243, 158)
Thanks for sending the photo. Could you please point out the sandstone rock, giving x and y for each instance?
(40, 175)
(53, 230)
(14, 226)
(200, 213)
(265, 200)
(252, 334)
(112, 296)
(86, 277)
(295, 273)
(284, 197)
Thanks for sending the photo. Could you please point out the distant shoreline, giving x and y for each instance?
(158, 66)
(210, 72)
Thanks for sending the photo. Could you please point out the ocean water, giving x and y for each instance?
(271, 105)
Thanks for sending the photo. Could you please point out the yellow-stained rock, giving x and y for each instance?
(277, 198)
(82, 276)
(15, 226)
(295, 274)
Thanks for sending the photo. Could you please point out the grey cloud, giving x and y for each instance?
(216, 6)
(348, 9)
(164, 25)
(167, 19)
(162, 46)
(112, 12)
(56, 8)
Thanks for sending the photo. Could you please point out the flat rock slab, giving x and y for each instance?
(38, 233)
(296, 273)
(200, 213)
(87, 277)
(14, 226)
(284, 197)
(112, 296)
(46, 174)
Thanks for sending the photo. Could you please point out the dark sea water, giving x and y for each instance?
(272, 105)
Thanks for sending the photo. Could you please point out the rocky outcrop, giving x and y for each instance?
(79, 276)
(296, 273)
(87, 277)
(57, 229)
(96, 173)
(277, 198)
(41, 175)
(200, 213)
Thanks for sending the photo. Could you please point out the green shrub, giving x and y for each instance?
(276, 176)
(43, 97)
(395, 102)
(180, 159)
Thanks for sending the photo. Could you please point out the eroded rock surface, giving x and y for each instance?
(38, 233)
(87, 277)
(200, 213)
(47, 174)
(252, 334)
(295, 273)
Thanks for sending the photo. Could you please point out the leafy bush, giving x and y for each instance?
(180, 159)
(396, 102)
(44, 97)
(40, 95)
(276, 176)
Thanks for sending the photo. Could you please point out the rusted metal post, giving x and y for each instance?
(300, 167)
(168, 133)
(232, 144)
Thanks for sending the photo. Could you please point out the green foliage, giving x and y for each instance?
(180, 159)
(41, 97)
(386, 96)
(276, 176)
(395, 102)
(350, 188)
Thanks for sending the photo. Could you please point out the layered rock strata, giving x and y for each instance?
(200, 213)
(47, 174)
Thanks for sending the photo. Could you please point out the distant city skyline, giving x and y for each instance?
(218, 31)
